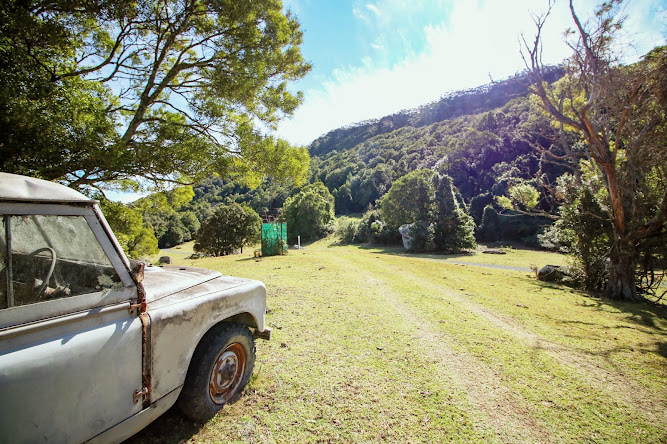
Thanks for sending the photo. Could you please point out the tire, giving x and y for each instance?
(220, 368)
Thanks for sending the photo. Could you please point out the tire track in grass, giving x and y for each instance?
(614, 385)
(501, 409)
(389, 395)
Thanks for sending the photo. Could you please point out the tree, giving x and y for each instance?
(489, 228)
(309, 213)
(427, 200)
(98, 92)
(230, 228)
(174, 232)
(522, 197)
(190, 223)
(453, 227)
(164, 213)
(409, 199)
(127, 224)
(583, 230)
(619, 111)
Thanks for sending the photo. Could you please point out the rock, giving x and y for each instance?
(405, 234)
(494, 251)
(550, 273)
(164, 260)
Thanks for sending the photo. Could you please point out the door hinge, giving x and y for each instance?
(139, 395)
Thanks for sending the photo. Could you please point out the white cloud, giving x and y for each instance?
(461, 53)
(373, 8)
(358, 13)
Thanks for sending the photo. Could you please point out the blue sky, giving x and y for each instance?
(375, 57)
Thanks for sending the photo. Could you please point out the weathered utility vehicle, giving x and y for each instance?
(93, 347)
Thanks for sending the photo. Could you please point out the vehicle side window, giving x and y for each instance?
(53, 257)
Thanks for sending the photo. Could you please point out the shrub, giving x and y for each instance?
(310, 213)
(229, 228)
(346, 229)
(427, 201)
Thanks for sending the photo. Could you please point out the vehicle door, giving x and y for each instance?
(70, 342)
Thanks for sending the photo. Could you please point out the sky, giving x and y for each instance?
(375, 57)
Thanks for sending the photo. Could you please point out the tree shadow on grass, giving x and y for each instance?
(643, 313)
(645, 316)
(170, 428)
(400, 251)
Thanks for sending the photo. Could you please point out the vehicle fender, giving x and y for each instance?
(177, 327)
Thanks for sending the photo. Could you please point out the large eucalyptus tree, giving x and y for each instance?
(620, 113)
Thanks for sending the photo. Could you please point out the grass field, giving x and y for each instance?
(374, 345)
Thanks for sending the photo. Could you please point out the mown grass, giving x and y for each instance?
(374, 345)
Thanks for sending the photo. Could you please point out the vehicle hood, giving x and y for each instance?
(163, 281)
(169, 285)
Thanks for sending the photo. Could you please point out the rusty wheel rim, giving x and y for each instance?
(227, 373)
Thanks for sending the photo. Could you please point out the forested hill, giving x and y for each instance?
(472, 101)
(478, 137)
(481, 138)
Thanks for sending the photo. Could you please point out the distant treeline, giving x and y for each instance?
(479, 137)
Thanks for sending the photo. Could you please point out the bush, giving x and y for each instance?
(372, 229)
(582, 231)
(427, 201)
(310, 213)
(410, 199)
(229, 228)
(346, 229)
(423, 235)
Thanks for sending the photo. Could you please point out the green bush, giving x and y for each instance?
(427, 201)
(372, 229)
(229, 228)
(582, 231)
(310, 213)
(346, 230)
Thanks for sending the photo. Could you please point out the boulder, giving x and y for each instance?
(494, 251)
(164, 260)
(551, 273)
(405, 234)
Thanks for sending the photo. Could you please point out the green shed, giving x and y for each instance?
(274, 239)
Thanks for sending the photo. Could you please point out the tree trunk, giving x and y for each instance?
(622, 269)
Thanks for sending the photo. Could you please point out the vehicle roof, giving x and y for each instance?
(23, 188)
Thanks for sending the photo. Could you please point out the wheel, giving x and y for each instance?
(49, 273)
(220, 368)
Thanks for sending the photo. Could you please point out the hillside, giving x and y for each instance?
(450, 106)
(480, 138)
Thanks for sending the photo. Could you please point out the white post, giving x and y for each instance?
(298, 242)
